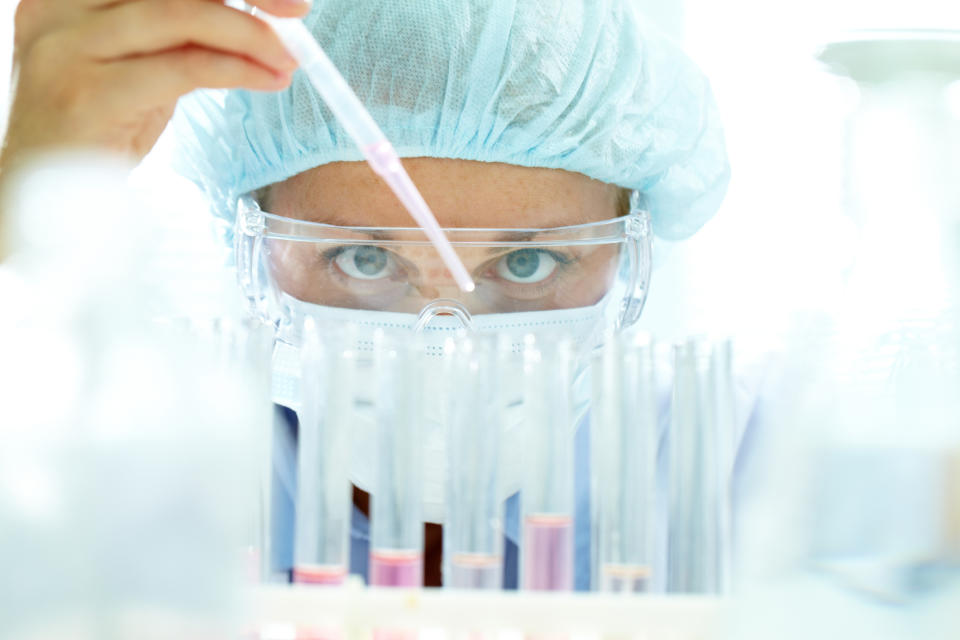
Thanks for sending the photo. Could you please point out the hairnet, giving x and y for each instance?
(581, 85)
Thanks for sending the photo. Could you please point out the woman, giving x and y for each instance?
(526, 114)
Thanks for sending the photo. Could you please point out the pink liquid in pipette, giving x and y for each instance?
(475, 571)
(327, 575)
(548, 552)
(396, 568)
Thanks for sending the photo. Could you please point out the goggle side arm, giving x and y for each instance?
(248, 243)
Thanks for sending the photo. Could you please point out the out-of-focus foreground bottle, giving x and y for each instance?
(858, 535)
(133, 397)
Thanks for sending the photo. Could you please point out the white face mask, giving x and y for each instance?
(580, 324)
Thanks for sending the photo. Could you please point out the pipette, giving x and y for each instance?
(358, 123)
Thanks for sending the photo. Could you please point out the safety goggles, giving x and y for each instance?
(397, 270)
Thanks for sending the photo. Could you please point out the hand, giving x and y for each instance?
(107, 74)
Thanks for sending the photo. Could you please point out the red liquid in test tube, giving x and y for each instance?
(396, 568)
(324, 576)
(329, 575)
(548, 553)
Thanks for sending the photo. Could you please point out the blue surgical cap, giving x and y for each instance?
(582, 85)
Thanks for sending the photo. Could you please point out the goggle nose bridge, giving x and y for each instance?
(441, 307)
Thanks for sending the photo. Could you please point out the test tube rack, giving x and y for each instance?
(353, 612)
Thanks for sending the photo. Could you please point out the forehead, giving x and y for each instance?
(461, 193)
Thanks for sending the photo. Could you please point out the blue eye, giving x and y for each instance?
(526, 266)
(365, 262)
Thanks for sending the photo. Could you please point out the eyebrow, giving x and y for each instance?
(383, 233)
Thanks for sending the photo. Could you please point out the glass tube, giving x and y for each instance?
(322, 533)
(473, 534)
(547, 496)
(698, 538)
(623, 431)
(396, 550)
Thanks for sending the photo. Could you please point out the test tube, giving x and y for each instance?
(547, 495)
(396, 550)
(623, 431)
(698, 537)
(324, 505)
(473, 533)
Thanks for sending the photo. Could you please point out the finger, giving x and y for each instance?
(33, 17)
(164, 77)
(143, 27)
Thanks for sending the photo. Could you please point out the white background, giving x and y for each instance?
(780, 239)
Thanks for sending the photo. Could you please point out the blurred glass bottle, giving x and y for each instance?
(127, 466)
(897, 431)
(864, 474)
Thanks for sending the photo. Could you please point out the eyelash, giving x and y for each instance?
(561, 259)
(327, 257)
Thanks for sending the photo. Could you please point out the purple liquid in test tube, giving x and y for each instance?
(548, 552)
(389, 568)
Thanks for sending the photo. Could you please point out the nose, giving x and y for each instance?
(443, 307)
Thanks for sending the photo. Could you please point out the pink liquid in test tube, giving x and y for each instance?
(389, 568)
(476, 571)
(326, 575)
(548, 552)
(396, 568)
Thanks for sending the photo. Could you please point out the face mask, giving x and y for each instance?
(582, 324)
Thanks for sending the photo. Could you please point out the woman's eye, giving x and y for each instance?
(526, 266)
(365, 262)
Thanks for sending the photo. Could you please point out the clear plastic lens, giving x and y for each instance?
(397, 269)
(405, 278)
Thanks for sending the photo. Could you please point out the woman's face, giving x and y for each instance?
(461, 194)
